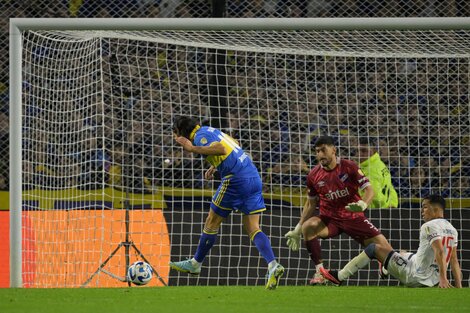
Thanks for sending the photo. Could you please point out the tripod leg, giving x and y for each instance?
(103, 264)
(145, 259)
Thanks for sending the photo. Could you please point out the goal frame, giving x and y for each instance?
(17, 25)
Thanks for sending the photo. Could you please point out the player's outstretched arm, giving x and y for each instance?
(455, 267)
(362, 205)
(369, 194)
(293, 237)
(439, 255)
(215, 148)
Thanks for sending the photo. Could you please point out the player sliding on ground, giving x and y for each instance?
(240, 189)
(334, 186)
(425, 268)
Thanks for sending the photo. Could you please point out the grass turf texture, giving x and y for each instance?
(236, 299)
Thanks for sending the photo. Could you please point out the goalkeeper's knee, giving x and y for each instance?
(370, 251)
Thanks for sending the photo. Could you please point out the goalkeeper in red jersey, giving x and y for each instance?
(425, 268)
(240, 190)
(334, 186)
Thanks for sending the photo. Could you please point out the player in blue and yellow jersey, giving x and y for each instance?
(240, 189)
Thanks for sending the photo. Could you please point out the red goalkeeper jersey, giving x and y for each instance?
(337, 188)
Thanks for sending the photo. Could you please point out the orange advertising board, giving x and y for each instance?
(65, 247)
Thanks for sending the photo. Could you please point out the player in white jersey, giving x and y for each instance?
(425, 268)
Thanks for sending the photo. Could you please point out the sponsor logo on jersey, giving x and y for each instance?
(243, 157)
(340, 193)
(447, 231)
(432, 236)
(343, 177)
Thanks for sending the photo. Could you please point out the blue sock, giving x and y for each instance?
(205, 244)
(264, 246)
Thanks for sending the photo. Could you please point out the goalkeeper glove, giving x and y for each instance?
(293, 238)
(358, 206)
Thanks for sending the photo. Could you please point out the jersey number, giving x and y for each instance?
(448, 243)
(371, 226)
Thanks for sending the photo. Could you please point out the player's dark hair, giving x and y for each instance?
(184, 125)
(435, 199)
(325, 140)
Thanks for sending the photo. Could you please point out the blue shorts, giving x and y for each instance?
(238, 194)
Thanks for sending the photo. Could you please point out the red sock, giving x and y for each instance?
(314, 249)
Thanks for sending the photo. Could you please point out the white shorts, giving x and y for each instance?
(403, 268)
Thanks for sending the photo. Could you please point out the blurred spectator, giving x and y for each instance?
(278, 103)
(291, 170)
(3, 183)
(377, 172)
(115, 168)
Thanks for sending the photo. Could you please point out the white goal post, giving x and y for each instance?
(338, 49)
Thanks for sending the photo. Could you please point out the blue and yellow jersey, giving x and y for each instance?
(235, 162)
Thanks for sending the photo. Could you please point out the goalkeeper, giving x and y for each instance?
(240, 189)
(425, 268)
(334, 184)
(378, 174)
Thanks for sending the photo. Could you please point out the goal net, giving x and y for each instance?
(104, 185)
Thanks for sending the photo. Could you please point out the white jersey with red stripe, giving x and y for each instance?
(436, 229)
(421, 268)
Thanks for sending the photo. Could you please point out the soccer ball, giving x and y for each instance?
(139, 273)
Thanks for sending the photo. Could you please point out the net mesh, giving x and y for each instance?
(97, 142)
(196, 9)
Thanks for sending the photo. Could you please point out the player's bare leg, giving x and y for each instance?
(275, 270)
(208, 237)
(380, 240)
(312, 229)
(382, 243)
(376, 248)
(372, 251)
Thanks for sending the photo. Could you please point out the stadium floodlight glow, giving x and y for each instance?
(91, 105)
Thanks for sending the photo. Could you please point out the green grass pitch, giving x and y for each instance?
(236, 299)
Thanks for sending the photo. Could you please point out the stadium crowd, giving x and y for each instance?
(417, 109)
